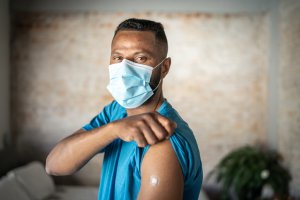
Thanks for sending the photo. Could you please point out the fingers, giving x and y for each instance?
(140, 140)
(158, 130)
(149, 134)
(148, 128)
(168, 124)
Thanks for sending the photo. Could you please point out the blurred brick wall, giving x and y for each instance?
(289, 88)
(217, 82)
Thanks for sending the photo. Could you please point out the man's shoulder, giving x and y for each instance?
(167, 110)
(166, 172)
(183, 140)
(170, 112)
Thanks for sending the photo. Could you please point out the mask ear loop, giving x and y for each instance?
(154, 68)
(160, 80)
(159, 94)
(159, 64)
(158, 98)
(157, 85)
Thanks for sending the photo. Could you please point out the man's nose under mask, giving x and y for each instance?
(130, 83)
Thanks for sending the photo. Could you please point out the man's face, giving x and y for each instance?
(137, 46)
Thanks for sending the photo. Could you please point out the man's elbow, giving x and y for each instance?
(49, 169)
(54, 168)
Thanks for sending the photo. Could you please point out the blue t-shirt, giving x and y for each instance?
(121, 177)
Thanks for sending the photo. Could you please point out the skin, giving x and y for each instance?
(143, 124)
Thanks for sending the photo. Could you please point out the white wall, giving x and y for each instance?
(4, 70)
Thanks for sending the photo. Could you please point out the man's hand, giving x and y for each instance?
(148, 128)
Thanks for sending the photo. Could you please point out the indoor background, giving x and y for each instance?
(235, 74)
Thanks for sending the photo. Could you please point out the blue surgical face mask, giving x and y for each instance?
(130, 83)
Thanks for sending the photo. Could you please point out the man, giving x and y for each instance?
(150, 152)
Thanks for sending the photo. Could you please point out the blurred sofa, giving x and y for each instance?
(31, 182)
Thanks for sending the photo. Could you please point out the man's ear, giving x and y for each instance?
(165, 67)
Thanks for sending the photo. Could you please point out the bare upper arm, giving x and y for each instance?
(161, 174)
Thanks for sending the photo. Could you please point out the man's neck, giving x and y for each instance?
(151, 105)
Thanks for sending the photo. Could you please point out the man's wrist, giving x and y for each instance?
(110, 131)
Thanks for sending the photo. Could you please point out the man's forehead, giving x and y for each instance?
(140, 40)
(134, 36)
(135, 33)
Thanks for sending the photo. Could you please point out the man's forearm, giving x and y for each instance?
(73, 152)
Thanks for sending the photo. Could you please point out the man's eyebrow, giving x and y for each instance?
(115, 53)
(142, 51)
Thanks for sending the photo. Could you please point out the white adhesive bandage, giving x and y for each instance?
(154, 180)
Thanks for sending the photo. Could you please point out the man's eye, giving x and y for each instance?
(117, 59)
(140, 59)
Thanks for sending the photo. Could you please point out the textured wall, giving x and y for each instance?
(220, 66)
(217, 80)
(289, 88)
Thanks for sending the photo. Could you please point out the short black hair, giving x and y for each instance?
(135, 24)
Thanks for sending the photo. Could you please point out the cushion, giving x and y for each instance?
(34, 179)
(75, 193)
(11, 190)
